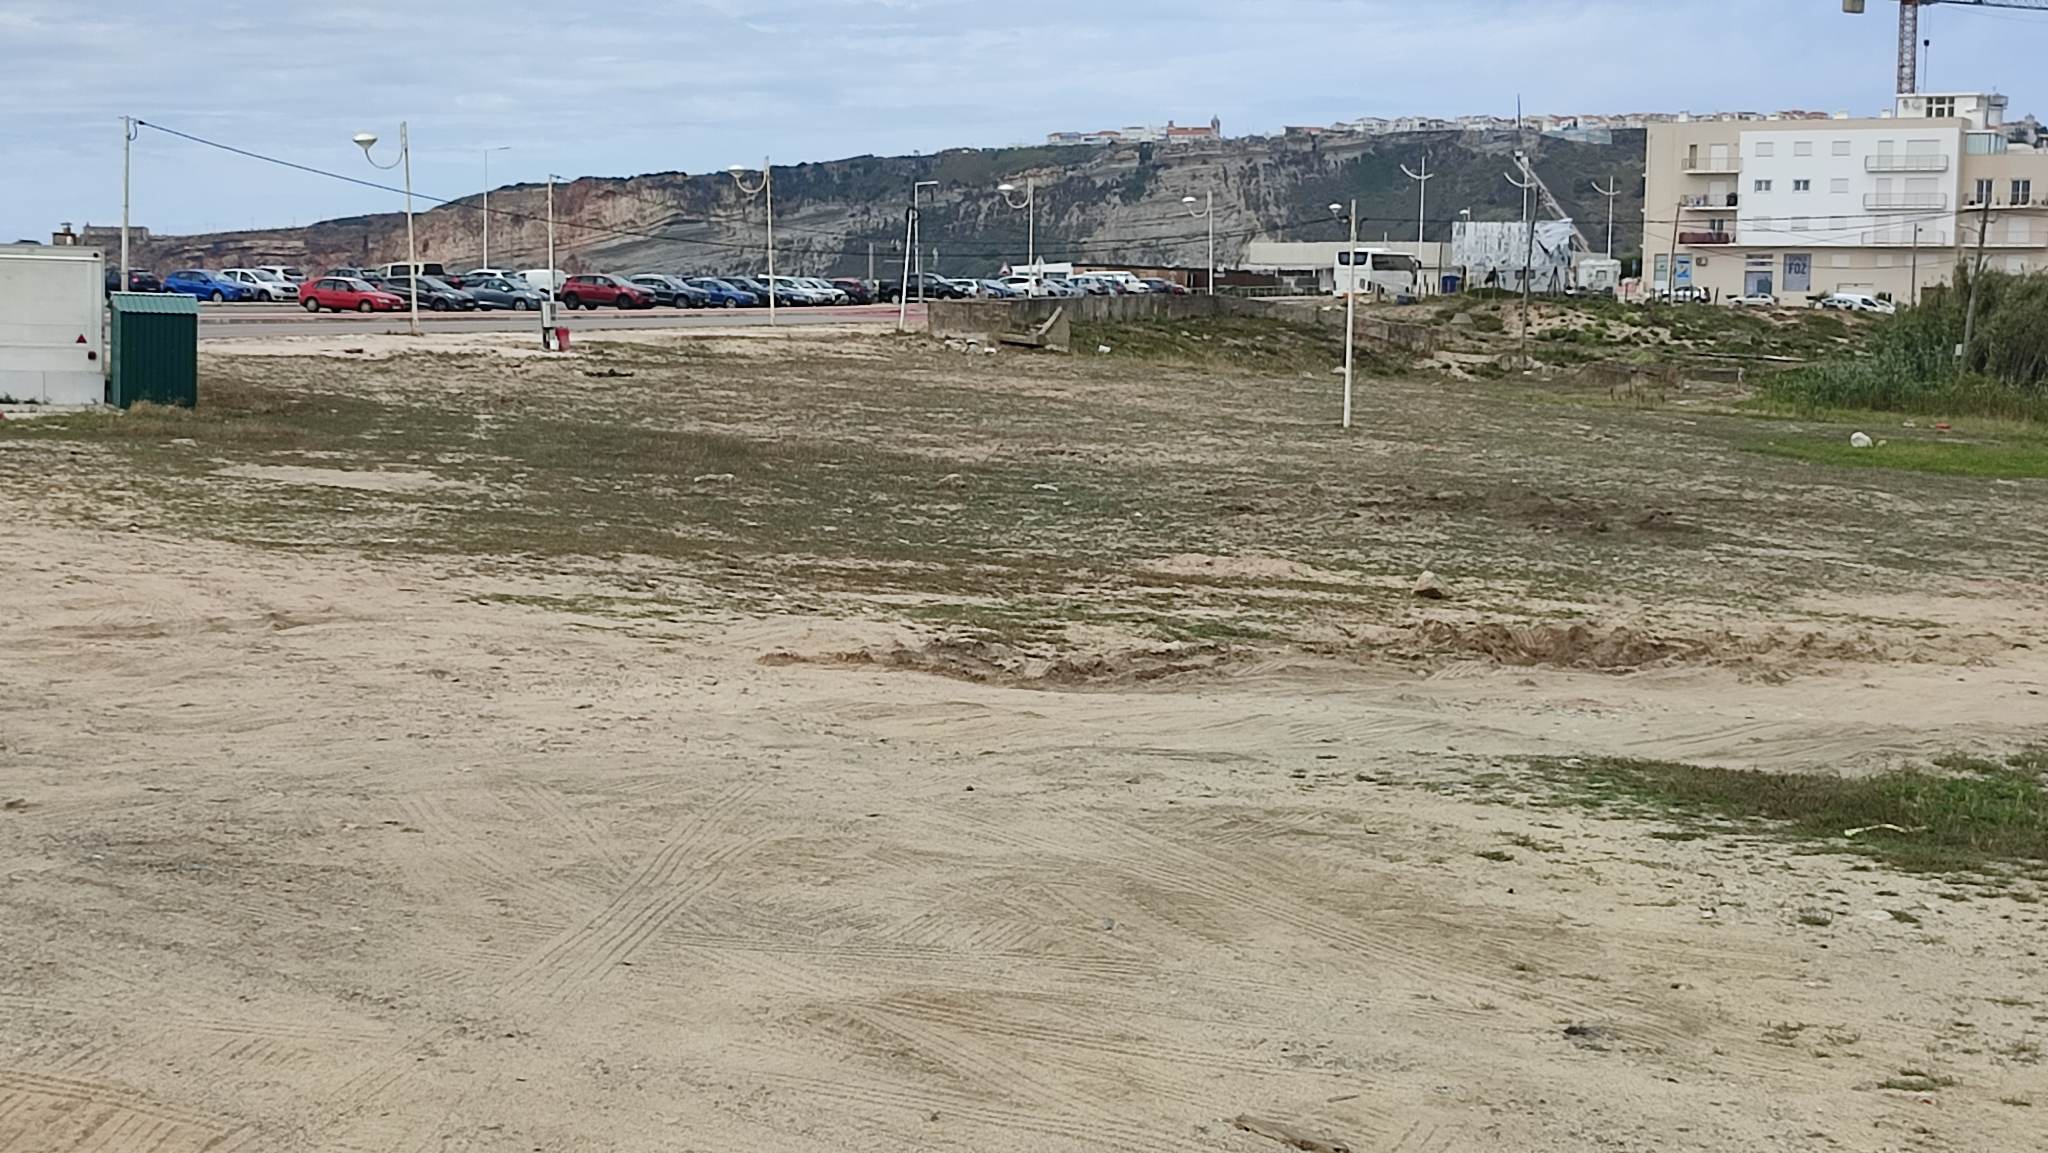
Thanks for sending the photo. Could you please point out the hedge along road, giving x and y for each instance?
(246, 320)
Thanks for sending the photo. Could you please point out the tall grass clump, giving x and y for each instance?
(1907, 364)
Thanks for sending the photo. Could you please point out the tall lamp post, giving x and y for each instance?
(1422, 180)
(1207, 213)
(738, 172)
(1349, 261)
(366, 141)
(917, 234)
(487, 199)
(1030, 210)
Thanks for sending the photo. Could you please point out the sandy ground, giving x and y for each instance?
(301, 852)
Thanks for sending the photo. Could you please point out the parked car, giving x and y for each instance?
(723, 294)
(204, 285)
(139, 280)
(1165, 287)
(671, 291)
(435, 293)
(833, 293)
(996, 290)
(804, 294)
(1058, 288)
(857, 291)
(1092, 285)
(597, 289)
(1855, 302)
(289, 272)
(263, 285)
(936, 287)
(397, 272)
(476, 274)
(785, 296)
(347, 294)
(1753, 300)
(356, 273)
(494, 292)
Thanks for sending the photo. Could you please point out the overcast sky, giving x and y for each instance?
(657, 85)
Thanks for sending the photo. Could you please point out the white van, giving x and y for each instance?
(549, 281)
(1126, 282)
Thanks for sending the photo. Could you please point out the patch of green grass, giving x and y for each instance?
(2009, 460)
(1988, 814)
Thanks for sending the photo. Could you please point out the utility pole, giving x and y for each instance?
(1529, 255)
(1349, 261)
(1976, 282)
(871, 260)
(1913, 276)
(909, 245)
(552, 286)
(1671, 266)
(128, 131)
(1422, 180)
(1612, 190)
(917, 236)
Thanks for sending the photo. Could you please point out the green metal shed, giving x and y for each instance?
(154, 350)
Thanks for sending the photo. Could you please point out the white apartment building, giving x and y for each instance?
(1801, 208)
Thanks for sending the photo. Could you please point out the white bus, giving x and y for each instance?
(1375, 271)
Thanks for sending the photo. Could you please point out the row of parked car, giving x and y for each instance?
(390, 287)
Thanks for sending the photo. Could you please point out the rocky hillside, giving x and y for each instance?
(1115, 204)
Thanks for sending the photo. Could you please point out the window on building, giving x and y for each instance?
(1801, 224)
(2015, 264)
(1802, 148)
(2018, 231)
(2022, 192)
(1802, 186)
(1766, 148)
(1763, 224)
(1839, 185)
(1799, 272)
(1923, 147)
(1841, 148)
(1762, 186)
(1940, 107)
(1982, 195)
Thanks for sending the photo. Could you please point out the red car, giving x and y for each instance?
(346, 293)
(597, 289)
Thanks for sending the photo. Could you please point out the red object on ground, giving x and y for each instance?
(1941, 426)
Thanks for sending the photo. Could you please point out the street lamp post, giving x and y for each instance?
(767, 185)
(1030, 210)
(487, 199)
(366, 141)
(1349, 261)
(917, 235)
(1422, 180)
(1207, 213)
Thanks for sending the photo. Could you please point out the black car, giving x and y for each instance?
(671, 291)
(435, 294)
(139, 280)
(497, 292)
(936, 287)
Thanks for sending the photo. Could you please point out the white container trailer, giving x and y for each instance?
(52, 324)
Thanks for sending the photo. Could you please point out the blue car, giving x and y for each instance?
(723, 295)
(204, 285)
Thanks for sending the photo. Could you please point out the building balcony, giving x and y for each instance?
(1705, 166)
(1904, 201)
(1935, 163)
(1696, 239)
(1709, 203)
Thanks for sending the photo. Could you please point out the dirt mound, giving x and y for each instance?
(1622, 649)
(992, 662)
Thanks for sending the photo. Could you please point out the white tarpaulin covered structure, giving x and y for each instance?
(1491, 254)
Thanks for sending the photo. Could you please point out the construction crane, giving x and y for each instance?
(1909, 30)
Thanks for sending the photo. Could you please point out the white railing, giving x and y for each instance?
(1883, 201)
(1932, 162)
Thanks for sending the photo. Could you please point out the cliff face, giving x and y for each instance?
(1120, 204)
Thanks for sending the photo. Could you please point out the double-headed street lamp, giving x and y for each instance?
(1030, 210)
(749, 191)
(1208, 213)
(367, 141)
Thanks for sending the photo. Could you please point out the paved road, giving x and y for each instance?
(231, 321)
